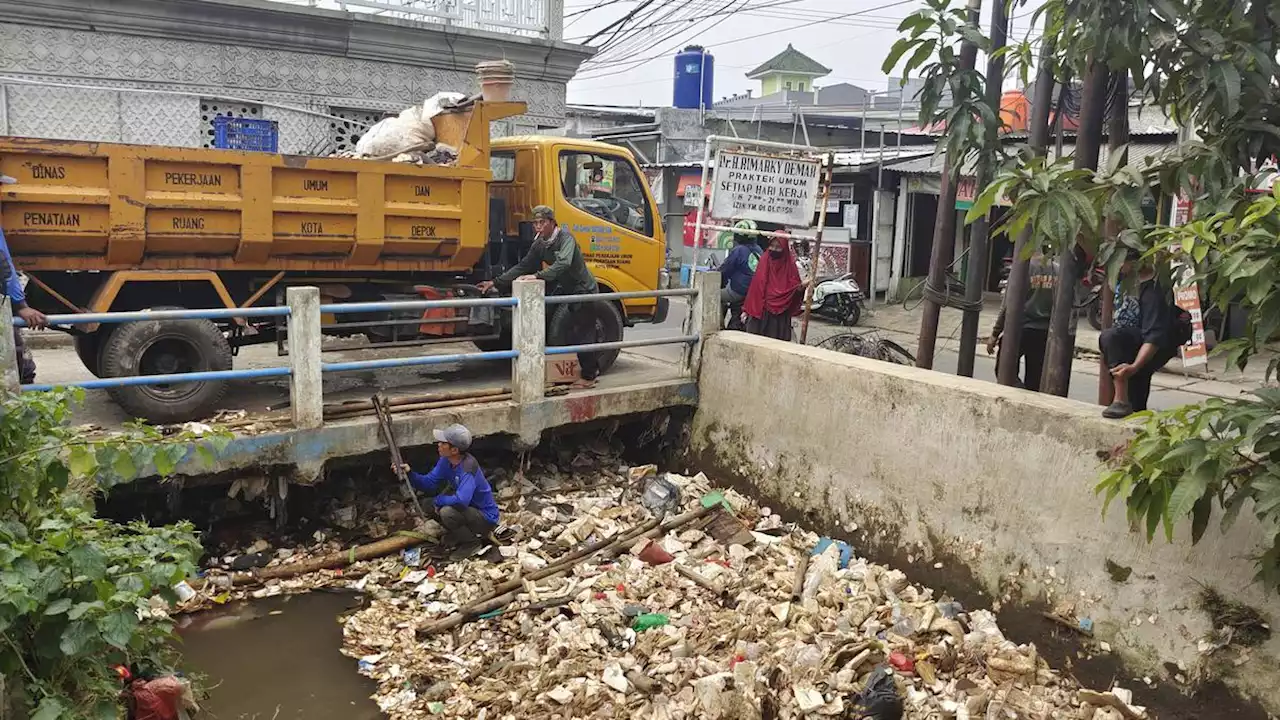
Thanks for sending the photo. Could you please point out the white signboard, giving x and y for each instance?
(851, 219)
(765, 189)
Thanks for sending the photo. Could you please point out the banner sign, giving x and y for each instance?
(765, 189)
(1186, 295)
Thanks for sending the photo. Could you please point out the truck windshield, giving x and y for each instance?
(607, 187)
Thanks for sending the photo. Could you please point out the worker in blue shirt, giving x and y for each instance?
(464, 499)
(18, 302)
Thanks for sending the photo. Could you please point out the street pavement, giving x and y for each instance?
(902, 326)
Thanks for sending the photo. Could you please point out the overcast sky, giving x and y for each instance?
(638, 70)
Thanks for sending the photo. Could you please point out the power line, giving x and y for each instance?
(761, 6)
(691, 26)
(636, 39)
(593, 8)
(621, 22)
(631, 64)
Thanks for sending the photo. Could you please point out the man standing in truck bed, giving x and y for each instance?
(565, 273)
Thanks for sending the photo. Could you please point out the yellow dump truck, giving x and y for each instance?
(104, 227)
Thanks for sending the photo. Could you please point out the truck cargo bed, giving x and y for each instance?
(101, 206)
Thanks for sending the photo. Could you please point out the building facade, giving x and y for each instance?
(159, 71)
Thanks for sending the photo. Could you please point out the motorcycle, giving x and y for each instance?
(838, 299)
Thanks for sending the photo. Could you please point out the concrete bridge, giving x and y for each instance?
(297, 446)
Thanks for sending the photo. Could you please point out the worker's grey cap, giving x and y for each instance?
(456, 435)
(544, 212)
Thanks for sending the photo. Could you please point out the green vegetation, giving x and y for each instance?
(76, 591)
(1211, 66)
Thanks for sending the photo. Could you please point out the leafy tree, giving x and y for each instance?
(76, 591)
(1211, 66)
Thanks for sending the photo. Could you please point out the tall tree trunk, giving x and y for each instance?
(1019, 287)
(1057, 367)
(980, 246)
(944, 229)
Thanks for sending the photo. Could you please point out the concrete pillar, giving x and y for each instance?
(898, 267)
(306, 388)
(9, 380)
(704, 318)
(529, 338)
(555, 20)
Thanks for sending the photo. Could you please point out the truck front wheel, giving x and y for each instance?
(162, 347)
(608, 328)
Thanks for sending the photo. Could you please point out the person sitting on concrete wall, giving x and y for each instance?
(464, 499)
(1146, 335)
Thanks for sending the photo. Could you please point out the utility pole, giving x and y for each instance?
(979, 244)
(1117, 142)
(1015, 294)
(944, 228)
(1057, 367)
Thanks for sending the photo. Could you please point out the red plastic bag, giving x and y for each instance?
(158, 699)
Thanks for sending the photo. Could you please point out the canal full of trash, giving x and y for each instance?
(616, 590)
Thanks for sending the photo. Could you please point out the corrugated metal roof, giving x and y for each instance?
(857, 159)
(600, 110)
(932, 165)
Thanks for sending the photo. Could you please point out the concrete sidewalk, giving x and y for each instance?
(902, 325)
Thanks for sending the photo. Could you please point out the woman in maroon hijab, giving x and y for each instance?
(775, 293)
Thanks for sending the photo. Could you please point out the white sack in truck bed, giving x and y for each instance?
(410, 131)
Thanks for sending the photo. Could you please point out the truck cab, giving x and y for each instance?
(599, 195)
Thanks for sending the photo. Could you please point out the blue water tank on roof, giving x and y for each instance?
(695, 78)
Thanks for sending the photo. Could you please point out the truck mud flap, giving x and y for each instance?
(661, 311)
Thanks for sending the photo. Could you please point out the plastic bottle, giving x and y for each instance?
(649, 621)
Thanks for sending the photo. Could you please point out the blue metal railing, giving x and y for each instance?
(169, 379)
(421, 360)
(260, 312)
(632, 295)
(619, 345)
(142, 315)
(340, 308)
(345, 308)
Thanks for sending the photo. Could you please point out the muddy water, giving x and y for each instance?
(259, 665)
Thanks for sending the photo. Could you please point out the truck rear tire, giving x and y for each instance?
(89, 348)
(495, 344)
(161, 347)
(608, 329)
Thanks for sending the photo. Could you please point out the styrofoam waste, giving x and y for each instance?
(411, 130)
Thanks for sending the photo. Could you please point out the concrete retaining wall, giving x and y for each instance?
(952, 470)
